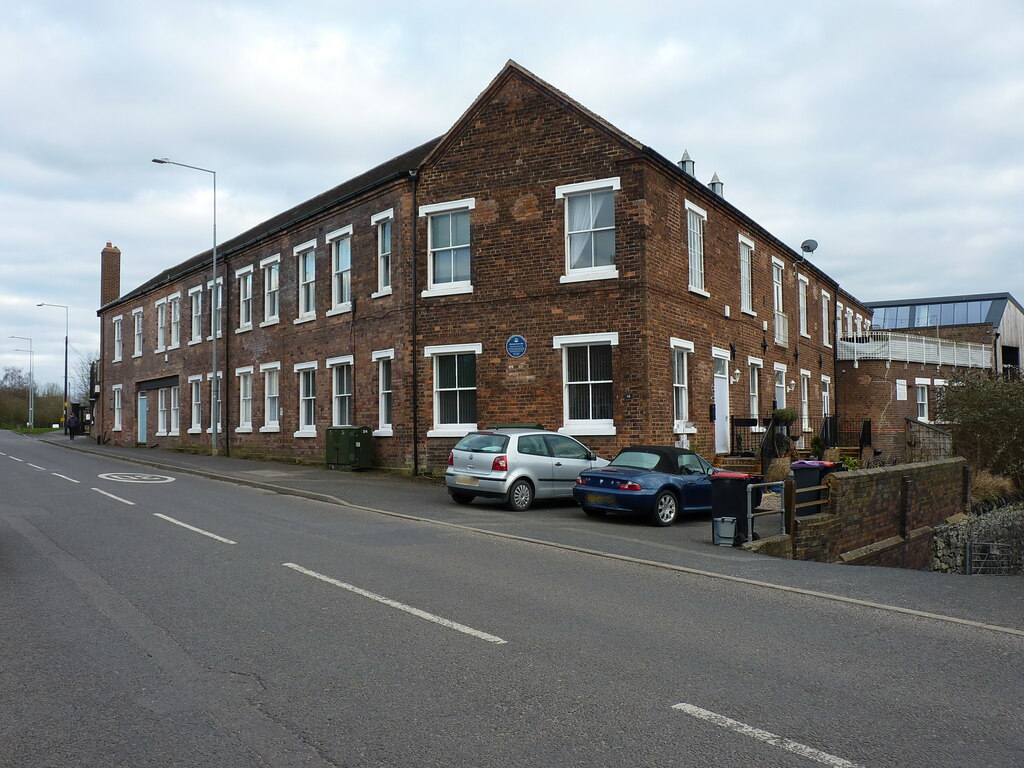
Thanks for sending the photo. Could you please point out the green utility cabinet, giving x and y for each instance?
(349, 447)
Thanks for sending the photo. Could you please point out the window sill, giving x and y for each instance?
(447, 290)
(595, 428)
(452, 430)
(172, 346)
(380, 293)
(115, 429)
(750, 312)
(159, 350)
(173, 433)
(196, 431)
(804, 335)
(193, 342)
(160, 434)
(273, 428)
(384, 432)
(116, 360)
(209, 431)
(273, 321)
(303, 319)
(341, 309)
(137, 354)
(698, 291)
(681, 428)
(586, 275)
(219, 336)
(243, 430)
(243, 329)
(305, 433)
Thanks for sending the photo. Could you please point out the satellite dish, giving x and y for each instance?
(808, 246)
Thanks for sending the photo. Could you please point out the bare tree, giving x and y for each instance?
(80, 379)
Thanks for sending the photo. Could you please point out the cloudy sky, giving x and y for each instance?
(889, 131)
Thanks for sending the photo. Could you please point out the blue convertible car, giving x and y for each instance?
(653, 481)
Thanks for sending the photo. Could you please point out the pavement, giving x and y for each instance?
(985, 603)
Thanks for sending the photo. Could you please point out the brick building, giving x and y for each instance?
(534, 264)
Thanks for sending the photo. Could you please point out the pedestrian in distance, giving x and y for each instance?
(73, 426)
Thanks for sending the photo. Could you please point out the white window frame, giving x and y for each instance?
(162, 411)
(174, 319)
(271, 266)
(780, 368)
(305, 289)
(118, 338)
(271, 373)
(161, 325)
(805, 400)
(583, 426)
(901, 389)
(219, 403)
(780, 320)
(245, 382)
(306, 373)
(341, 279)
(246, 301)
(849, 321)
(217, 308)
(755, 368)
(921, 386)
(695, 248)
(681, 350)
(564, 192)
(118, 407)
(137, 331)
(196, 404)
(440, 209)
(746, 246)
(335, 365)
(436, 352)
(385, 428)
(802, 289)
(826, 396)
(175, 424)
(826, 316)
(380, 221)
(195, 296)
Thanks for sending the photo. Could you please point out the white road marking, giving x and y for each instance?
(36, 466)
(769, 738)
(193, 528)
(64, 477)
(16, 459)
(400, 606)
(117, 498)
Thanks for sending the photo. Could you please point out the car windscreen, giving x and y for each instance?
(479, 442)
(640, 459)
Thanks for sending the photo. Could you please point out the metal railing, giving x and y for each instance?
(885, 345)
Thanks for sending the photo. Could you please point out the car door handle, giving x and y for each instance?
(558, 463)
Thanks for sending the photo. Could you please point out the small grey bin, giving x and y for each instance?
(723, 530)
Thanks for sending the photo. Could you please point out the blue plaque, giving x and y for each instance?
(515, 346)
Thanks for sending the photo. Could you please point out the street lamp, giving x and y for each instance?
(31, 380)
(214, 308)
(64, 307)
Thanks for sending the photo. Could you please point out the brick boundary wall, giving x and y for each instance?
(883, 516)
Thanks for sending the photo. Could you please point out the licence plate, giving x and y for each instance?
(466, 480)
(600, 498)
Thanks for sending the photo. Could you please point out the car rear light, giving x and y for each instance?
(500, 464)
(451, 458)
(630, 486)
(580, 480)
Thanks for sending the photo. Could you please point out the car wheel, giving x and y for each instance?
(461, 498)
(594, 512)
(666, 508)
(520, 496)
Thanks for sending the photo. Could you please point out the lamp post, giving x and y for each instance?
(214, 309)
(31, 380)
(64, 307)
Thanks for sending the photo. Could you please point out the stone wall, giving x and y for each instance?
(999, 525)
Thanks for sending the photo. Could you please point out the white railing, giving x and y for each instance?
(883, 345)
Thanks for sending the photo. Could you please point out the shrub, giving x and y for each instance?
(851, 463)
(989, 491)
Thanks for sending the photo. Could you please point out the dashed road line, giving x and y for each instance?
(400, 606)
(16, 459)
(766, 736)
(193, 528)
(36, 466)
(65, 477)
(116, 498)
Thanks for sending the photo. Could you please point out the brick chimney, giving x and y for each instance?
(110, 274)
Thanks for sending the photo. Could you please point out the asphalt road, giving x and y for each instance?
(281, 631)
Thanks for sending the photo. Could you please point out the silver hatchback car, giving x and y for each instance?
(516, 465)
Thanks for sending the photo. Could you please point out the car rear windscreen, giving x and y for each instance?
(640, 459)
(481, 443)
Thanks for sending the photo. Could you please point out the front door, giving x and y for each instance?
(142, 417)
(721, 405)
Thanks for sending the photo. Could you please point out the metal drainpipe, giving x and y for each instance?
(415, 328)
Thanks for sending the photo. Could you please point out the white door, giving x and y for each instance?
(721, 405)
